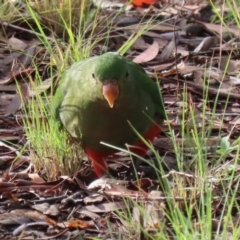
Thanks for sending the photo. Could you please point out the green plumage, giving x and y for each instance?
(80, 106)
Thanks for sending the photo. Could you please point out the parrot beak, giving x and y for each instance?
(110, 92)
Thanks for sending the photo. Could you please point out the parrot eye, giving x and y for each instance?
(114, 82)
(127, 74)
(105, 82)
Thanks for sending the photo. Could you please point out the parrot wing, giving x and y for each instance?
(149, 86)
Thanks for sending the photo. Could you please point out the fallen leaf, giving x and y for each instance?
(105, 207)
(149, 54)
(206, 44)
(17, 44)
(97, 197)
(79, 224)
(169, 49)
(15, 104)
(36, 178)
(228, 65)
(24, 216)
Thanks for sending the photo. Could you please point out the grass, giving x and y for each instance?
(194, 204)
(231, 16)
(8, 10)
(200, 197)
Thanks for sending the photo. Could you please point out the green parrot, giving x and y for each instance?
(106, 99)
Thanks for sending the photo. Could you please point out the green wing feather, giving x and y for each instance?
(71, 79)
(73, 95)
(57, 101)
(152, 88)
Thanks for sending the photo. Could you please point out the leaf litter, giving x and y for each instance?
(186, 52)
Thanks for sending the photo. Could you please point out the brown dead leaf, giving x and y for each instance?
(77, 223)
(8, 88)
(162, 67)
(46, 208)
(42, 207)
(100, 183)
(15, 104)
(106, 183)
(93, 198)
(17, 44)
(21, 216)
(206, 44)
(168, 50)
(149, 54)
(151, 215)
(140, 44)
(5, 99)
(154, 212)
(229, 66)
(198, 76)
(106, 207)
(8, 59)
(184, 68)
(11, 196)
(89, 214)
(36, 178)
(14, 217)
(221, 29)
(108, 4)
(46, 84)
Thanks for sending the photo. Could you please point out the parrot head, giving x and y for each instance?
(111, 72)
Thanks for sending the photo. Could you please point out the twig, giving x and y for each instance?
(24, 29)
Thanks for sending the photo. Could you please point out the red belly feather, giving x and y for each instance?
(98, 159)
